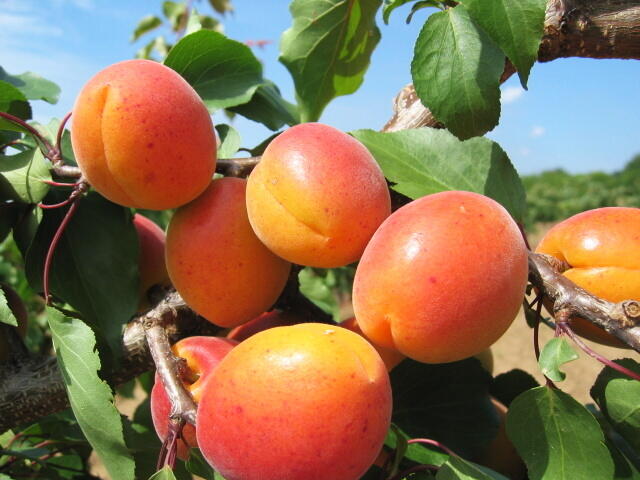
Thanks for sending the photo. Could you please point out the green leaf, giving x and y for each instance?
(6, 315)
(175, 12)
(458, 469)
(557, 437)
(269, 108)
(197, 465)
(22, 176)
(424, 161)
(390, 5)
(447, 402)
(164, 474)
(159, 44)
(456, 71)
(33, 86)
(515, 26)
(145, 25)
(221, 6)
(14, 102)
(419, 6)
(95, 262)
(90, 397)
(224, 72)
(321, 286)
(328, 49)
(618, 396)
(416, 452)
(229, 141)
(554, 354)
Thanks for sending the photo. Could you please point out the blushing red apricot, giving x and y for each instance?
(216, 262)
(274, 318)
(443, 277)
(142, 136)
(290, 402)
(153, 270)
(202, 355)
(602, 248)
(16, 305)
(390, 356)
(317, 196)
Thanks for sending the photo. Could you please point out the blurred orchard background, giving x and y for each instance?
(574, 136)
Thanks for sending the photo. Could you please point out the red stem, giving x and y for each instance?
(566, 328)
(29, 128)
(434, 443)
(60, 184)
(61, 132)
(524, 235)
(56, 205)
(53, 245)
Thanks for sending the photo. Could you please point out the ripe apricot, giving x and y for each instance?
(602, 248)
(305, 402)
(500, 454)
(390, 356)
(202, 355)
(142, 136)
(217, 263)
(442, 278)
(317, 196)
(153, 270)
(16, 305)
(274, 318)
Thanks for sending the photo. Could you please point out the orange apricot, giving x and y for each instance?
(274, 318)
(390, 356)
(602, 248)
(290, 401)
(317, 196)
(202, 355)
(142, 136)
(216, 262)
(153, 270)
(442, 278)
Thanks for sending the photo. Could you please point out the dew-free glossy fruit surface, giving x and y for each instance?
(442, 278)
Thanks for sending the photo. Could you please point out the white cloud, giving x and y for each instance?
(524, 151)
(511, 94)
(537, 131)
(12, 24)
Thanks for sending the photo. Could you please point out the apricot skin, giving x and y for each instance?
(443, 277)
(306, 402)
(390, 356)
(323, 190)
(202, 355)
(142, 136)
(19, 311)
(602, 248)
(217, 263)
(274, 318)
(153, 270)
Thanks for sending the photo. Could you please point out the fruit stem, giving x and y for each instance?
(565, 327)
(28, 128)
(434, 443)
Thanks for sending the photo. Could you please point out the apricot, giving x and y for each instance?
(317, 196)
(142, 136)
(443, 277)
(202, 355)
(500, 454)
(305, 402)
(16, 305)
(274, 318)
(153, 270)
(216, 262)
(390, 356)
(602, 248)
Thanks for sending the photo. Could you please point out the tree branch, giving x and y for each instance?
(572, 28)
(622, 319)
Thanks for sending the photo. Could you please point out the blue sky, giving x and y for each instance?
(579, 114)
